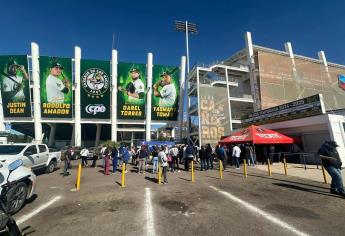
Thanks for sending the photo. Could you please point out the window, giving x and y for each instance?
(42, 148)
(30, 150)
(10, 149)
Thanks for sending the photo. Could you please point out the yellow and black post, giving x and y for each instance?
(193, 177)
(78, 176)
(123, 175)
(269, 167)
(285, 165)
(324, 174)
(245, 168)
(220, 169)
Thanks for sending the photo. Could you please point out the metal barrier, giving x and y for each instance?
(302, 158)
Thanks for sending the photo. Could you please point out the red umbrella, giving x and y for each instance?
(256, 135)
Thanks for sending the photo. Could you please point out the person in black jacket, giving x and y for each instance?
(332, 163)
(190, 154)
(209, 161)
(203, 157)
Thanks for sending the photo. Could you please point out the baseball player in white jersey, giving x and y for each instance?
(168, 92)
(12, 83)
(134, 89)
(55, 87)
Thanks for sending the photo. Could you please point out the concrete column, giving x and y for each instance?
(98, 134)
(132, 139)
(173, 132)
(288, 50)
(73, 135)
(182, 94)
(77, 124)
(149, 96)
(251, 63)
(228, 94)
(114, 95)
(52, 134)
(36, 92)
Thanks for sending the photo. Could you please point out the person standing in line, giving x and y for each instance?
(65, 159)
(155, 160)
(264, 153)
(236, 153)
(221, 155)
(107, 154)
(125, 157)
(143, 155)
(95, 157)
(84, 154)
(331, 161)
(174, 153)
(271, 153)
(103, 149)
(203, 158)
(209, 160)
(190, 154)
(249, 154)
(163, 160)
(134, 155)
(114, 156)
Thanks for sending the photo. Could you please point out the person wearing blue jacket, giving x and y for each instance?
(125, 156)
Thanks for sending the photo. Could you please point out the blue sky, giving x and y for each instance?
(148, 26)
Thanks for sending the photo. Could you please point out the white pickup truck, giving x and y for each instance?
(36, 156)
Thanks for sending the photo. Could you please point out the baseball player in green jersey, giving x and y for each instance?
(55, 87)
(13, 81)
(135, 88)
(168, 92)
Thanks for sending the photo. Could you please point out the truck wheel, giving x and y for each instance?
(16, 197)
(51, 167)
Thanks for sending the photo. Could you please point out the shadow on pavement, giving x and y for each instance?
(152, 179)
(288, 181)
(291, 186)
(185, 179)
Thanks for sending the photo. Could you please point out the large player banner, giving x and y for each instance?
(95, 89)
(56, 87)
(131, 96)
(165, 94)
(15, 86)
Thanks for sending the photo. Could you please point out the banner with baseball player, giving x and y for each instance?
(56, 87)
(95, 89)
(131, 95)
(165, 94)
(15, 86)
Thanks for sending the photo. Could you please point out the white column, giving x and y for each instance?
(228, 94)
(149, 96)
(73, 135)
(98, 134)
(251, 63)
(2, 120)
(322, 58)
(114, 95)
(52, 134)
(182, 94)
(173, 132)
(132, 139)
(36, 92)
(77, 124)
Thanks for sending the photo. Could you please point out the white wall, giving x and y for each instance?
(337, 133)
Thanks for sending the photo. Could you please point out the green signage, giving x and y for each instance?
(95, 89)
(56, 87)
(15, 86)
(165, 94)
(132, 91)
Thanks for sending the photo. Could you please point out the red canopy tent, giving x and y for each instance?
(256, 135)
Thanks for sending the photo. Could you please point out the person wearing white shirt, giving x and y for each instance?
(84, 154)
(163, 159)
(168, 92)
(55, 87)
(236, 152)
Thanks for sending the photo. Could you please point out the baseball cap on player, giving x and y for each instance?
(56, 64)
(12, 62)
(165, 73)
(134, 70)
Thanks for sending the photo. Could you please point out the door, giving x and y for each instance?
(30, 154)
(43, 156)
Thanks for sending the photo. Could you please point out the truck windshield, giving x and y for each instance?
(10, 149)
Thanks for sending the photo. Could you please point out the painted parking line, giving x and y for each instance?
(260, 212)
(38, 210)
(150, 230)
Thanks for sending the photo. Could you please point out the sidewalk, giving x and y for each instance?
(297, 170)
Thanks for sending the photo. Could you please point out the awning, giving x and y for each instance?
(256, 135)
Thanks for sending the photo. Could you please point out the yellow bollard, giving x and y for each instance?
(78, 176)
(123, 175)
(245, 168)
(220, 169)
(193, 178)
(285, 166)
(159, 174)
(269, 167)
(324, 174)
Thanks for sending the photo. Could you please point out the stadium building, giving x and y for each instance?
(252, 86)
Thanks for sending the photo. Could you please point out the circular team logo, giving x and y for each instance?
(95, 82)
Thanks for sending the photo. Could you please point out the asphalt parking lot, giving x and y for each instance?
(256, 205)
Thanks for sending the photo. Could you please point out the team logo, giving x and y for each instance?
(260, 130)
(93, 109)
(245, 131)
(95, 82)
(341, 81)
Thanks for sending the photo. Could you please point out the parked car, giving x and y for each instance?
(23, 188)
(35, 156)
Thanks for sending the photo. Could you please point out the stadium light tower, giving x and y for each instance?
(185, 26)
